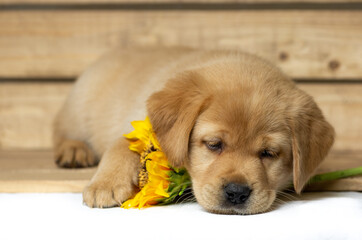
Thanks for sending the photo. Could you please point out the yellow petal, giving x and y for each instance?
(154, 141)
(147, 201)
(137, 146)
(161, 191)
(154, 169)
(131, 203)
(160, 158)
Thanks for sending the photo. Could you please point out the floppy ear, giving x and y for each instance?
(173, 112)
(312, 137)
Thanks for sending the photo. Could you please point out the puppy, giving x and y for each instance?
(241, 128)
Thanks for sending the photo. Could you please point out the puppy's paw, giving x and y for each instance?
(103, 195)
(74, 154)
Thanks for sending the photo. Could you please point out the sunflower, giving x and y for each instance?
(159, 182)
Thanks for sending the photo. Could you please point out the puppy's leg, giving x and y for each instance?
(116, 179)
(74, 154)
(70, 153)
(70, 134)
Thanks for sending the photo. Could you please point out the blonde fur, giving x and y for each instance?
(193, 97)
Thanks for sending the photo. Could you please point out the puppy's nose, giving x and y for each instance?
(237, 193)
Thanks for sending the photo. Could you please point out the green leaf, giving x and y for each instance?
(179, 181)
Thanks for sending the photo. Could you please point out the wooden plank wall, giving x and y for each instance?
(61, 43)
(46, 44)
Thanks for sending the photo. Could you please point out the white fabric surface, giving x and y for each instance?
(62, 216)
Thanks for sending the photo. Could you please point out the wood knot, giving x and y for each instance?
(333, 64)
(283, 56)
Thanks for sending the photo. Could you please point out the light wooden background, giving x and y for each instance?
(46, 44)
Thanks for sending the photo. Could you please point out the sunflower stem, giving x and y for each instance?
(336, 175)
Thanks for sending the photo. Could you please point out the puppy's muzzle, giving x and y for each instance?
(236, 193)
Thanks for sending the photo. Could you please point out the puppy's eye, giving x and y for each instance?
(214, 145)
(265, 153)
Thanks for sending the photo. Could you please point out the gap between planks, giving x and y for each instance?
(170, 5)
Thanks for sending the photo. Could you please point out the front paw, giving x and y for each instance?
(104, 195)
(74, 154)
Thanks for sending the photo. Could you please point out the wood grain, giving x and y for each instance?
(27, 111)
(35, 171)
(342, 106)
(339, 160)
(305, 44)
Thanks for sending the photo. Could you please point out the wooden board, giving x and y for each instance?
(306, 44)
(170, 1)
(27, 111)
(342, 106)
(339, 160)
(35, 171)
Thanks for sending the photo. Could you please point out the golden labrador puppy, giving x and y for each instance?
(240, 127)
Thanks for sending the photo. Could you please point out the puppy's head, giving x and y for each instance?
(242, 133)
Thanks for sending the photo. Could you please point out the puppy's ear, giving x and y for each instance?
(312, 137)
(173, 112)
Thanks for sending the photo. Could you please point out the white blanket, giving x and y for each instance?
(62, 216)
